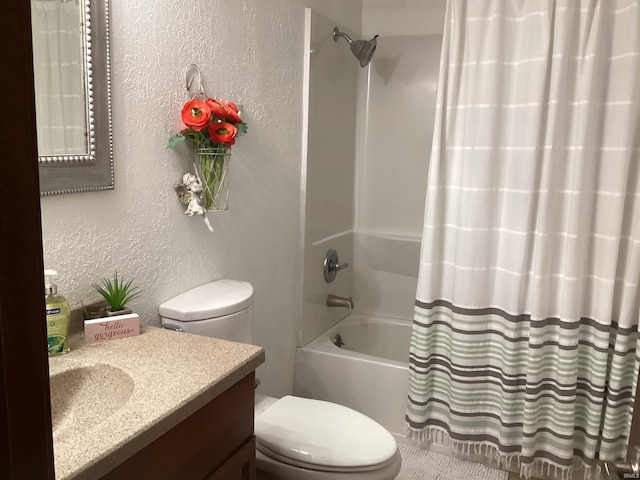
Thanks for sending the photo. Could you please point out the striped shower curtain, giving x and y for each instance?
(526, 318)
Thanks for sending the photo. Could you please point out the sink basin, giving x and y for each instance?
(83, 397)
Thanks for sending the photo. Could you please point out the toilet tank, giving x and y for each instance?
(221, 309)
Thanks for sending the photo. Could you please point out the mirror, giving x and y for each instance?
(73, 104)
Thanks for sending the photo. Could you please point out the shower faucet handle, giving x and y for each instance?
(332, 265)
(338, 266)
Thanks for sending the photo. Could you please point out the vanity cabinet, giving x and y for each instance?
(214, 443)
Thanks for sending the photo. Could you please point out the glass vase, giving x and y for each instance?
(212, 165)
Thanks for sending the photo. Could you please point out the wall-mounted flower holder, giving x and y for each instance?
(212, 167)
(211, 126)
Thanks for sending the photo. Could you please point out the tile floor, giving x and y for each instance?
(510, 475)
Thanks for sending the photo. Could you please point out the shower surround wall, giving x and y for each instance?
(396, 108)
(368, 142)
(328, 172)
(390, 18)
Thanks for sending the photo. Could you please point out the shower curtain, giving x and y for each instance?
(58, 64)
(526, 315)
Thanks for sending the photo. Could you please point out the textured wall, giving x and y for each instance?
(250, 52)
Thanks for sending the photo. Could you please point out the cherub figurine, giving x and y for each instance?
(190, 194)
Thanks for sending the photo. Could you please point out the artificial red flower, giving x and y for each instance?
(223, 132)
(233, 117)
(196, 114)
(217, 108)
(225, 110)
(229, 104)
(232, 111)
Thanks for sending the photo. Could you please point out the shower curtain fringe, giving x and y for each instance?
(491, 456)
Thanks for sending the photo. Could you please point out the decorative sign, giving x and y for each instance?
(103, 329)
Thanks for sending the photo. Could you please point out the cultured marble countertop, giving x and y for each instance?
(173, 375)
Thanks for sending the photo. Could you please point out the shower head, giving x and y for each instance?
(362, 49)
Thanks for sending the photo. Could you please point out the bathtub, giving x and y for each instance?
(369, 373)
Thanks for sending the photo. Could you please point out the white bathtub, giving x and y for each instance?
(370, 373)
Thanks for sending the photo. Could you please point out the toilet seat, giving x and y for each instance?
(282, 471)
(323, 436)
(322, 468)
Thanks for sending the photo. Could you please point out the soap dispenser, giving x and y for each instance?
(58, 316)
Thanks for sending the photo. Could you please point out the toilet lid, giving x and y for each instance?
(211, 300)
(322, 434)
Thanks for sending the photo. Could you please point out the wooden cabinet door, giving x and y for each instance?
(241, 466)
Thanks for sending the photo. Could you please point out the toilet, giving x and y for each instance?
(296, 438)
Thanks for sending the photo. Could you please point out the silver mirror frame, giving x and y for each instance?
(92, 172)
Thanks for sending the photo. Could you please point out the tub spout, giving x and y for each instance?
(336, 301)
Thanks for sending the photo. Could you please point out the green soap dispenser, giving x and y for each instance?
(58, 316)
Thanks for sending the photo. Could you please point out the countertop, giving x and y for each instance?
(174, 374)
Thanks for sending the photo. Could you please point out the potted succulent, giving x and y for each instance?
(114, 321)
(117, 293)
